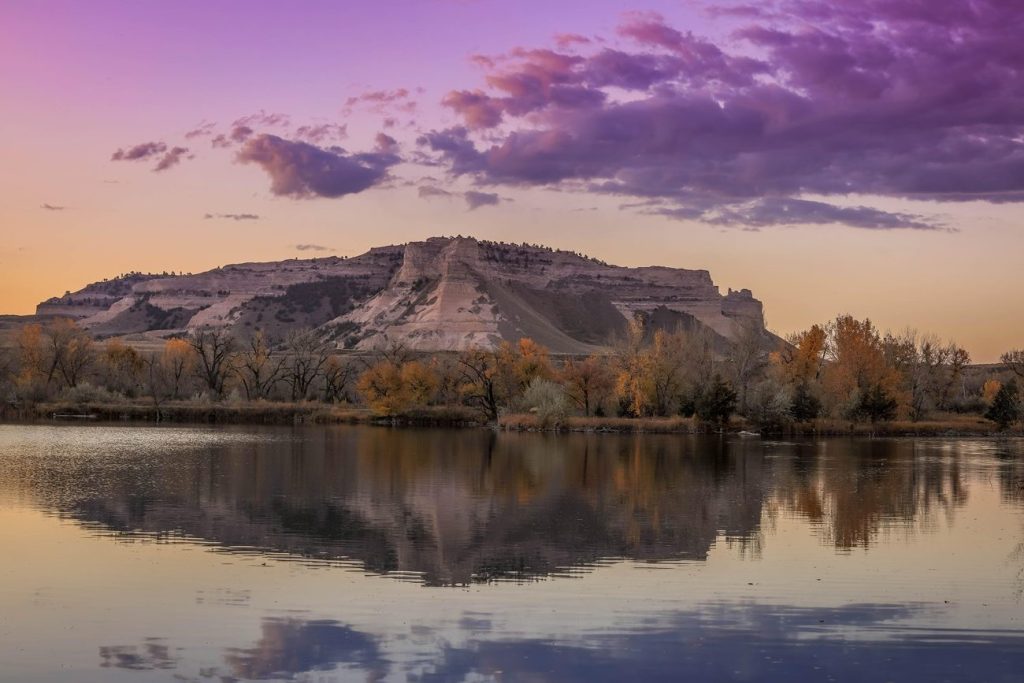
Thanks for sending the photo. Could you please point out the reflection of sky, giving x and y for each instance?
(915, 602)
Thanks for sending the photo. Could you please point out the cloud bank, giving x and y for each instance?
(808, 99)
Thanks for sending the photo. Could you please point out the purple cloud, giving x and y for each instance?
(301, 170)
(477, 199)
(52, 207)
(383, 101)
(474, 199)
(233, 216)
(318, 133)
(262, 118)
(430, 191)
(139, 152)
(203, 129)
(893, 98)
(171, 158)
(312, 247)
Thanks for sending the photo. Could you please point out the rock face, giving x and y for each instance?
(440, 294)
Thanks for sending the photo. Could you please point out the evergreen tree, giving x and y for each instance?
(717, 402)
(876, 404)
(1006, 406)
(806, 406)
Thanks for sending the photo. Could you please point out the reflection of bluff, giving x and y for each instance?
(454, 506)
(463, 506)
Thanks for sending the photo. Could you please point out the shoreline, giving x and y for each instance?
(457, 417)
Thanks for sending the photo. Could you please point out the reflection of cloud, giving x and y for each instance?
(292, 646)
(152, 654)
(734, 641)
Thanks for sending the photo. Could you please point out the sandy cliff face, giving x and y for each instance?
(443, 293)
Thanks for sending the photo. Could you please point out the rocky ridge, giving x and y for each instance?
(444, 293)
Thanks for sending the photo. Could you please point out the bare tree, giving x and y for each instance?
(307, 355)
(257, 369)
(337, 376)
(747, 359)
(215, 348)
(70, 350)
(1015, 361)
(477, 371)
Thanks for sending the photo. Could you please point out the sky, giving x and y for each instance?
(833, 156)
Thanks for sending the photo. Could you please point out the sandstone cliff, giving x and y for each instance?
(440, 294)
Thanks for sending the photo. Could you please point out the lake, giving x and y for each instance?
(340, 553)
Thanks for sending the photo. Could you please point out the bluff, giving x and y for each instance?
(445, 293)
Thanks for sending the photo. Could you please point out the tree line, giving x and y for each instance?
(844, 369)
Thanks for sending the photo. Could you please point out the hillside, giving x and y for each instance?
(439, 294)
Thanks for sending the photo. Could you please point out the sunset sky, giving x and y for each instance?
(861, 156)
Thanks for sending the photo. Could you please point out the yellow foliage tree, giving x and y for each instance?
(391, 388)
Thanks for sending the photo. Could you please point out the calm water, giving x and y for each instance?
(366, 554)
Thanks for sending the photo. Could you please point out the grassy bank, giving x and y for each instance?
(312, 412)
(948, 425)
(234, 412)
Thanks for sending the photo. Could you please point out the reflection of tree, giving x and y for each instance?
(855, 488)
(459, 506)
(293, 646)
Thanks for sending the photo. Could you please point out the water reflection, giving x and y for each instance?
(293, 646)
(270, 554)
(473, 506)
(716, 642)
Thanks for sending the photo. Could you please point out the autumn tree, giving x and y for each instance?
(391, 389)
(33, 369)
(588, 382)
(69, 351)
(632, 369)
(121, 368)
(856, 364)
(176, 362)
(801, 361)
(518, 364)
(214, 349)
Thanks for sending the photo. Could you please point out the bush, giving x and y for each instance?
(769, 405)
(547, 400)
(87, 393)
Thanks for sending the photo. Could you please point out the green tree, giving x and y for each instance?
(805, 406)
(877, 404)
(1006, 406)
(716, 402)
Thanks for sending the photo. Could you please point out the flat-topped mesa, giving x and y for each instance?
(442, 293)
